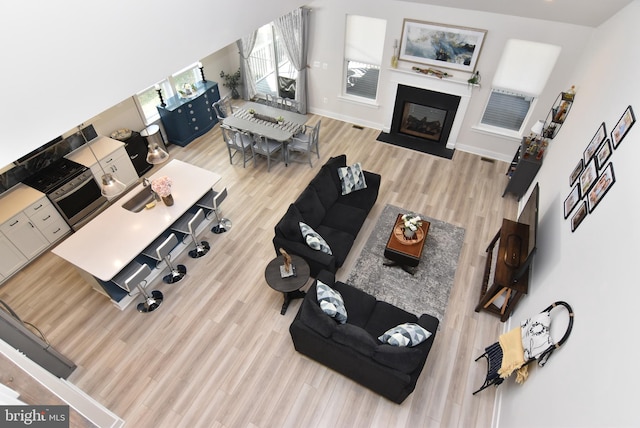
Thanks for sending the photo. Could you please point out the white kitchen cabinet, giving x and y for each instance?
(47, 219)
(113, 158)
(11, 259)
(24, 235)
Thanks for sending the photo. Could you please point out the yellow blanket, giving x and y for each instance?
(512, 355)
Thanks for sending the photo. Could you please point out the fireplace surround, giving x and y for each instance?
(449, 100)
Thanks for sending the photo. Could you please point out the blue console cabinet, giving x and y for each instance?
(185, 119)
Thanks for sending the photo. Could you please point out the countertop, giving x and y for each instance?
(102, 146)
(16, 200)
(115, 237)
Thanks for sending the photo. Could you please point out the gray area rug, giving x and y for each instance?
(427, 291)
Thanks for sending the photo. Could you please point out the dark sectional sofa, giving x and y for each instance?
(335, 217)
(353, 349)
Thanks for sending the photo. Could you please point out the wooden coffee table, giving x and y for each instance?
(402, 251)
(291, 285)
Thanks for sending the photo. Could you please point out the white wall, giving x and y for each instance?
(65, 61)
(590, 382)
(327, 41)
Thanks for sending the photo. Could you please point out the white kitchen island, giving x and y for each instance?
(112, 240)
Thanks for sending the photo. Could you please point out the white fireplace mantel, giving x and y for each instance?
(451, 85)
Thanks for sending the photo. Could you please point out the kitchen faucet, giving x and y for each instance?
(145, 183)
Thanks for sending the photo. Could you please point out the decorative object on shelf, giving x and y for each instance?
(121, 134)
(394, 57)
(411, 224)
(622, 127)
(159, 91)
(441, 45)
(232, 81)
(110, 186)
(187, 90)
(162, 187)
(438, 73)
(200, 66)
(558, 113)
(474, 79)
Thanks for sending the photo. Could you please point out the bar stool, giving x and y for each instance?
(164, 253)
(139, 279)
(211, 201)
(187, 224)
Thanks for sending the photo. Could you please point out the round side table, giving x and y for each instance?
(289, 286)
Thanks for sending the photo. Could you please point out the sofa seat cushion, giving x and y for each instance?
(359, 304)
(345, 217)
(340, 242)
(355, 338)
(310, 207)
(386, 316)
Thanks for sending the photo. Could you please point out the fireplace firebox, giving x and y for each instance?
(422, 117)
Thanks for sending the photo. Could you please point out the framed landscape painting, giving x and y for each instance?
(440, 45)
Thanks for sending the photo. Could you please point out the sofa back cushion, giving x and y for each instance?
(355, 338)
(332, 165)
(313, 317)
(289, 225)
(310, 207)
(325, 187)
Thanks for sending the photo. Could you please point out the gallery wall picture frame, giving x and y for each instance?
(588, 177)
(441, 45)
(571, 201)
(623, 126)
(576, 172)
(580, 214)
(595, 143)
(601, 187)
(603, 153)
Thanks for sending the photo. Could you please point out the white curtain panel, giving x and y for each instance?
(245, 46)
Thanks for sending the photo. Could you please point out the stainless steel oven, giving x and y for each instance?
(79, 199)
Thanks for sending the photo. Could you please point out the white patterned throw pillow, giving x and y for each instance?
(536, 337)
(313, 239)
(352, 178)
(331, 302)
(407, 334)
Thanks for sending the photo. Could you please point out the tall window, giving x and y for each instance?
(148, 99)
(364, 42)
(521, 76)
(272, 70)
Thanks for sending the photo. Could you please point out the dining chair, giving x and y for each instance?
(271, 100)
(238, 142)
(266, 147)
(305, 142)
(223, 108)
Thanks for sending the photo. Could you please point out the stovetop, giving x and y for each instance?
(54, 175)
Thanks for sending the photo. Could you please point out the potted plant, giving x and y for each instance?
(411, 223)
(232, 81)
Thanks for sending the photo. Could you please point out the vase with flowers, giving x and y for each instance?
(162, 187)
(410, 224)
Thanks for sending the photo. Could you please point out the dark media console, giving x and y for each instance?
(509, 256)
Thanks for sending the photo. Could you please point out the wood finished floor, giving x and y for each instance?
(218, 352)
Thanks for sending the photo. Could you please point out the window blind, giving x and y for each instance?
(506, 110)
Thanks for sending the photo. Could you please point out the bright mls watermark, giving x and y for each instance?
(34, 416)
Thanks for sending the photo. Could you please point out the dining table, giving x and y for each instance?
(261, 119)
